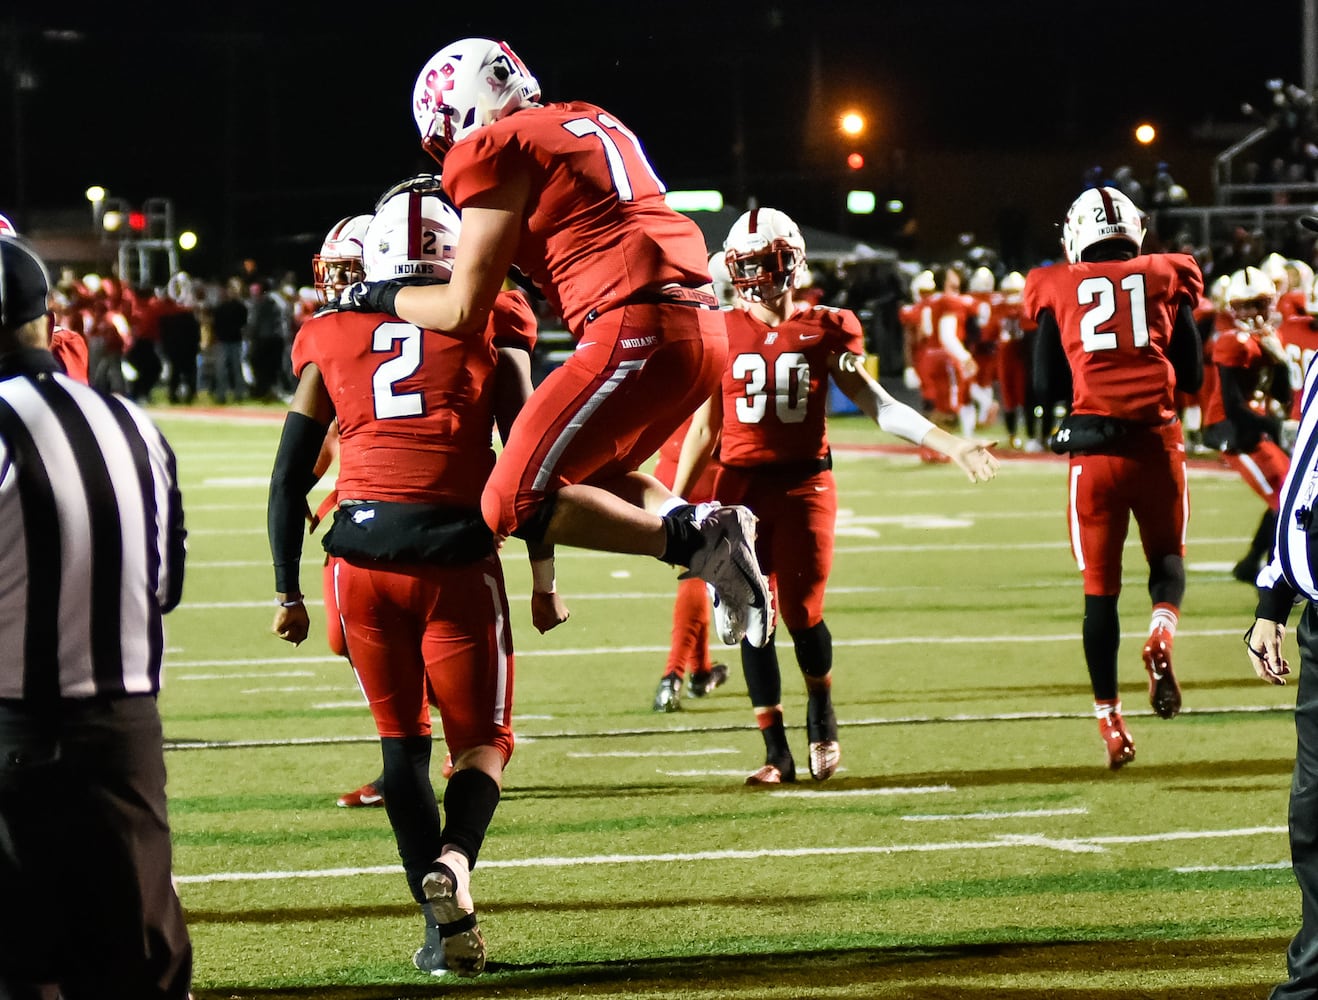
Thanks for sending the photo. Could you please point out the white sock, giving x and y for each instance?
(1163, 618)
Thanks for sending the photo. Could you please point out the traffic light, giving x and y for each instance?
(856, 160)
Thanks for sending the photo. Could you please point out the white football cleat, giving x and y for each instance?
(743, 605)
(824, 759)
(446, 890)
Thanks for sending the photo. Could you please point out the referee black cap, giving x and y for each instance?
(24, 284)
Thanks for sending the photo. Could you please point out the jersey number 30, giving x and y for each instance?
(1104, 299)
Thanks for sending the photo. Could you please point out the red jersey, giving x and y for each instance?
(1237, 349)
(70, 350)
(415, 407)
(597, 230)
(1116, 320)
(775, 386)
(1300, 338)
(948, 304)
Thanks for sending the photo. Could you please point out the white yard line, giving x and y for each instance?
(1011, 842)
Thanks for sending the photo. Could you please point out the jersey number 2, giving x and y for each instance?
(388, 402)
(1103, 298)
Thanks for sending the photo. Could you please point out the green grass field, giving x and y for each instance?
(973, 844)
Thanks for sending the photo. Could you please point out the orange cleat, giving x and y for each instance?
(1164, 692)
(1120, 747)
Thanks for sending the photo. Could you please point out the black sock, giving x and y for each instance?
(682, 537)
(409, 800)
(775, 742)
(1100, 638)
(764, 682)
(469, 803)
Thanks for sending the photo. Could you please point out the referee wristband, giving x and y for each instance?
(289, 604)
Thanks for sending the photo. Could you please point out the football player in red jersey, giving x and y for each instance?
(565, 192)
(948, 364)
(1117, 336)
(1013, 328)
(769, 422)
(417, 581)
(1243, 417)
(987, 310)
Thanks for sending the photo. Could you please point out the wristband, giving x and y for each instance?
(542, 576)
(288, 604)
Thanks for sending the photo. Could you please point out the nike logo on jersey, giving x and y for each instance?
(805, 338)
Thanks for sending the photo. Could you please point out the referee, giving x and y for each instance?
(1291, 578)
(91, 557)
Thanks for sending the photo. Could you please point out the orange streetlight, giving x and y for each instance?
(1145, 133)
(852, 123)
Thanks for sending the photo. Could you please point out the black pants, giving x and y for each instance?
(1302, 955)
(85, 855)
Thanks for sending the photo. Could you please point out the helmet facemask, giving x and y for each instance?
(765, 275)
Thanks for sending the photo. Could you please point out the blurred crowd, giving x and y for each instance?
(229, 341)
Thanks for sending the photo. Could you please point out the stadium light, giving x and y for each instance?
(695, 201)
(852, 123)
(187, 240)
(1145, 133)
(95, 193)
(861, 202)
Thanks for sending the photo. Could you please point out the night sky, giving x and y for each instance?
(265, 131)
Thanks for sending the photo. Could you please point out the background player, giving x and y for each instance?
(1117, 336)
(769, 421)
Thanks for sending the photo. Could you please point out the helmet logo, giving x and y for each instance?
(435, 88)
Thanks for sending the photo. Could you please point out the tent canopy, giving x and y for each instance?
(820, 244)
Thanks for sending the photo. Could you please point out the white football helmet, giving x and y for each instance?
(1217, 291)
(981, 281)
(466, 85)
(723, 290)
(413, 235)
(339, 262)
(1099, 214)
(923, 284)
(1012, 286)
(1250, 298)
(1274, 266)
(1300, 277)
(765, 254)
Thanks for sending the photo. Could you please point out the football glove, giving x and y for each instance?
(370, 296)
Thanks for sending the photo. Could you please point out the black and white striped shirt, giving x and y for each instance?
(92, 541)
(1293, 571)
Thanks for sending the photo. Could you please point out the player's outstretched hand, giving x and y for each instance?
(548, 611)
(977, 460)
(1263, 640)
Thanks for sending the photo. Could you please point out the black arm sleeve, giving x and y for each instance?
(292, 478)
(1280, 387)
(1186, 351)
(1052, 374)
(1237, 388)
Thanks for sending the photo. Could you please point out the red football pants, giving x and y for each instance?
(420, 632)
(638, 371)
(793, 537)
(1143, 474)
